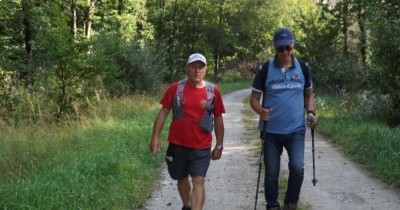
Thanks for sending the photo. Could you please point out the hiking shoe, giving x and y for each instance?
(186, 208)
(290, 206)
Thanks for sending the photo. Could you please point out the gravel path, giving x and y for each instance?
(341, 183)
(231, 181)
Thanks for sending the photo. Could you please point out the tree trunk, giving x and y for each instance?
(28, 40)
(216, 63)
(73, 18)
(363, 37)
(120, 7)
(88, 18)
(345, 23)
(172, 53)
(161, 3)
(87, 21)
(217, 54)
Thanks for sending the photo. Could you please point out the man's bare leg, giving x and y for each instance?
(198, 193)
(184, 189)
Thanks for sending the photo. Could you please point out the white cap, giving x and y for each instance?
(196, 57)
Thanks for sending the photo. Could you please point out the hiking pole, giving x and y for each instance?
(262, 135)
(259, 171)
(314, 180)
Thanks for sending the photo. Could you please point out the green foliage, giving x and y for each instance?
(385, 68)
(330, 68)
(141, 68)
(81, 50)
(222, 30)
(353, 38)
(6, 84)
(127, 19)
(103, 65)
(177, 36)
(68, 69)
(229, 86)
(376, 106)
(11, 47)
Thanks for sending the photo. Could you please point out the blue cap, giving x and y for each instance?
(283, 37)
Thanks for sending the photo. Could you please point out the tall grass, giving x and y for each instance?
(102, 162)
(370, 142)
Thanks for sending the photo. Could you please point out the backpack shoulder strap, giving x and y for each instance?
(265, 68)
(210, 90)
(177, 102)
(179, 90)
(305, 69)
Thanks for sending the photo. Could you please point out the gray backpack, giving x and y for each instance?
(207, 120)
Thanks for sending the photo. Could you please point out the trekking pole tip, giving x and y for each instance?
(314, 181)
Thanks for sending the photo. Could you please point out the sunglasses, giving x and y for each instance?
(283, 48)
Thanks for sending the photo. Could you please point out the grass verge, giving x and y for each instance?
(227, 87)
(101, 162)
(369, 142)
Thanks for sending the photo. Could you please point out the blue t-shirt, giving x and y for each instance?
(284, 93)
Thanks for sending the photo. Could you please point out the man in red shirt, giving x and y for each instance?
(196, 105)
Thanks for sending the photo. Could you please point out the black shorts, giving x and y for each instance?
(184, 161)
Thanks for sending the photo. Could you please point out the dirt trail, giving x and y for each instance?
(341, 183)
(231, 181)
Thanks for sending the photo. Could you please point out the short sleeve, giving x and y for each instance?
(259, 79)
(219, 107)
(167, 98)
(307, 75)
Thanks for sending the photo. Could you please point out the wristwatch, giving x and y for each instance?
(219, 147)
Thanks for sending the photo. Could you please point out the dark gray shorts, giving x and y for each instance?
(184, 161)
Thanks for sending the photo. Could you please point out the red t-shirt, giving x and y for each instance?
(186, 131)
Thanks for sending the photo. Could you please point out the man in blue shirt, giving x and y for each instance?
(285, 85)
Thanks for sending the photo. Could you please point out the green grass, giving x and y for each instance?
(227, 87)
(101, 162)
(369, 142)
